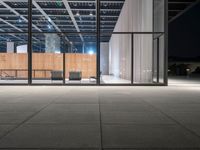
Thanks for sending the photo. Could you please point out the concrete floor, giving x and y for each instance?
(94, 118)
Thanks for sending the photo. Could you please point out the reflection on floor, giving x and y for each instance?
(83, 81)
(184, 81)
(13, 81)
(107, 79)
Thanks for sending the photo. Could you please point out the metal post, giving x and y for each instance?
(166, 44)
(158, 60)
(29, 42)
(132, 58)
(64, 67)
(98, 39)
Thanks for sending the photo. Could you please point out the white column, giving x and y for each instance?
(104, 55)
(10, 47)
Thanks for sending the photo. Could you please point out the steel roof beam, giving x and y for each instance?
(16, 13)
(65, 2)
(45, 15)
(184, 11)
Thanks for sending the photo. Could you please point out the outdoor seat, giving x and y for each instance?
(56, 75)
(75, 75)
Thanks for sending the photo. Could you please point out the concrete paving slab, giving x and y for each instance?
(53, 136)
(127, 108)
(72, 108)
(5, 129)
(148, 136)
(21, 107)
(135, 118)
(14, 117)
(65, 118)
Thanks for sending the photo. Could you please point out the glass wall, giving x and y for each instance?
(134, 50)
(13, 42)
(71, 42)
(13, 58)
(47, 58)
(80, 59)
(115, 59)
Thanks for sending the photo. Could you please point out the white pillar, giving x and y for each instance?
(10, 47)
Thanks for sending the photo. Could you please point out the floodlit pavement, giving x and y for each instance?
(94, 118)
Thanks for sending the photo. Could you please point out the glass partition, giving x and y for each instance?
(13, 59)
(159, 15)
(80, 59)
(115, 62)
(47, 59)
(67, 47)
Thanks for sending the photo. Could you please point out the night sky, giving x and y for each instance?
(184, 34)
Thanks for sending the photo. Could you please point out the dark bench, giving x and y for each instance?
(56, 75)
(75, 75)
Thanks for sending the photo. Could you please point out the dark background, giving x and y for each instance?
(184, 34)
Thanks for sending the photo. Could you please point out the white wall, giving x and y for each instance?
(22, 48)
(10, 47)
(135, 16)
(159, 15)
(104, 55)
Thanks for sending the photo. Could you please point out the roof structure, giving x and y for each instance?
(177, 7)
(65, 16)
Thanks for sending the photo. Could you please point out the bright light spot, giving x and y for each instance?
(91, 14)
(49, 26)
(77, 14)
(20, 20)
(57, 52)
(49, 19)
(91, 52)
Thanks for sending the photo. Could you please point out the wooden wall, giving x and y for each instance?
(43, 63)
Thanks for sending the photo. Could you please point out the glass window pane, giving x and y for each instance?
(143, 58)
(14, 16)
(80, 59)
(159, 15)
(47, 59)
(115, 59)
(13, 58)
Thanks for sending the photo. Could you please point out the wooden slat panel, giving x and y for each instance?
(43, 63)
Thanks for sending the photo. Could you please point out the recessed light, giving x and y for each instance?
(90, 4)
(77, 14)
(105, 4)
(75, 4)
(91, 14)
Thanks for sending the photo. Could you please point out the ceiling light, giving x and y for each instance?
(91, 52)
(49, 26)
(105, 4)
(19, 20)
(90, 4)
(91, 14)
(75, 4)
(77, 14)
